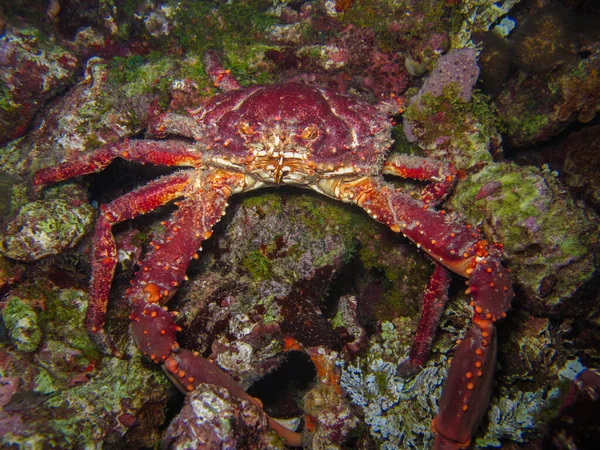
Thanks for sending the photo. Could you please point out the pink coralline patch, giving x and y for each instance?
(337, 56)
(330, 416)
(351, 59)
(391, 76)
(9, 423)
(127, 420)
(488, 189)
(28, 79)
(438, 42)
(32, 70)
(8, 386)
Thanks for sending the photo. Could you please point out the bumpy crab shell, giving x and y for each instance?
(291, 133)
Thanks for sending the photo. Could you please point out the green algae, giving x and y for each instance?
(64, 315)
(405, 274)
(49, 226)
(238, 29)
(136, 76)
(467, 127)
(522, 194)
(368, 14)
(7, 104)
(87, 413)
(22, 323)
(257, 264)
(318, 217)
(114, 390)
(45, 383)
(545, 235)
(271, 311)
(7, 187)
(527, 125)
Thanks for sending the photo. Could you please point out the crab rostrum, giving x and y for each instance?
(293, 134)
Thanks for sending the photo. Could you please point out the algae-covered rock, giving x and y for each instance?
(60, 393)
(447, 119)
(536, 107)
(45, 66)
(550, 242)
(21, 321)
(397, 410)
(265, 276)
(214, 418)
(582, 164)
(48, 226)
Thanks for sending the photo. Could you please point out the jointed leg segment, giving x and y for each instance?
(104, 253)
(169, 153)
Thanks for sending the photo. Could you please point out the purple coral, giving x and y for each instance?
(459, 68)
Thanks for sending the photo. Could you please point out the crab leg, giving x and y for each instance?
(188, 370)
(460, 249)
(222, 78)
(434, 302)
(163, 270)
(441, 175)
(169, 153)
(175, 124)
(164, 267)
(104, 254)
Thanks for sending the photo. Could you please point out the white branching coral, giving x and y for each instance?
(397, 410)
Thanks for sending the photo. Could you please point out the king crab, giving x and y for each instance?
(290, 133)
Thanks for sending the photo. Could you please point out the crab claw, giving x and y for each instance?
(468, 387)
(154, 331)
(469, 384)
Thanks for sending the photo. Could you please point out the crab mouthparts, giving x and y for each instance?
(285, 166)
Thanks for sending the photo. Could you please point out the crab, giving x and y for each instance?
(295, 134)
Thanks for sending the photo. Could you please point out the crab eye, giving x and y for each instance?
(309, 132)
(246, 129)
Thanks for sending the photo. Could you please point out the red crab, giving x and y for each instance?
(290, 133)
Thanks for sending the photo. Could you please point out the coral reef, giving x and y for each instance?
(397, 411)
(446, 119)
(55, 388)
(494, 61)
(288, 277)
(536, 106)
(544, 41)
